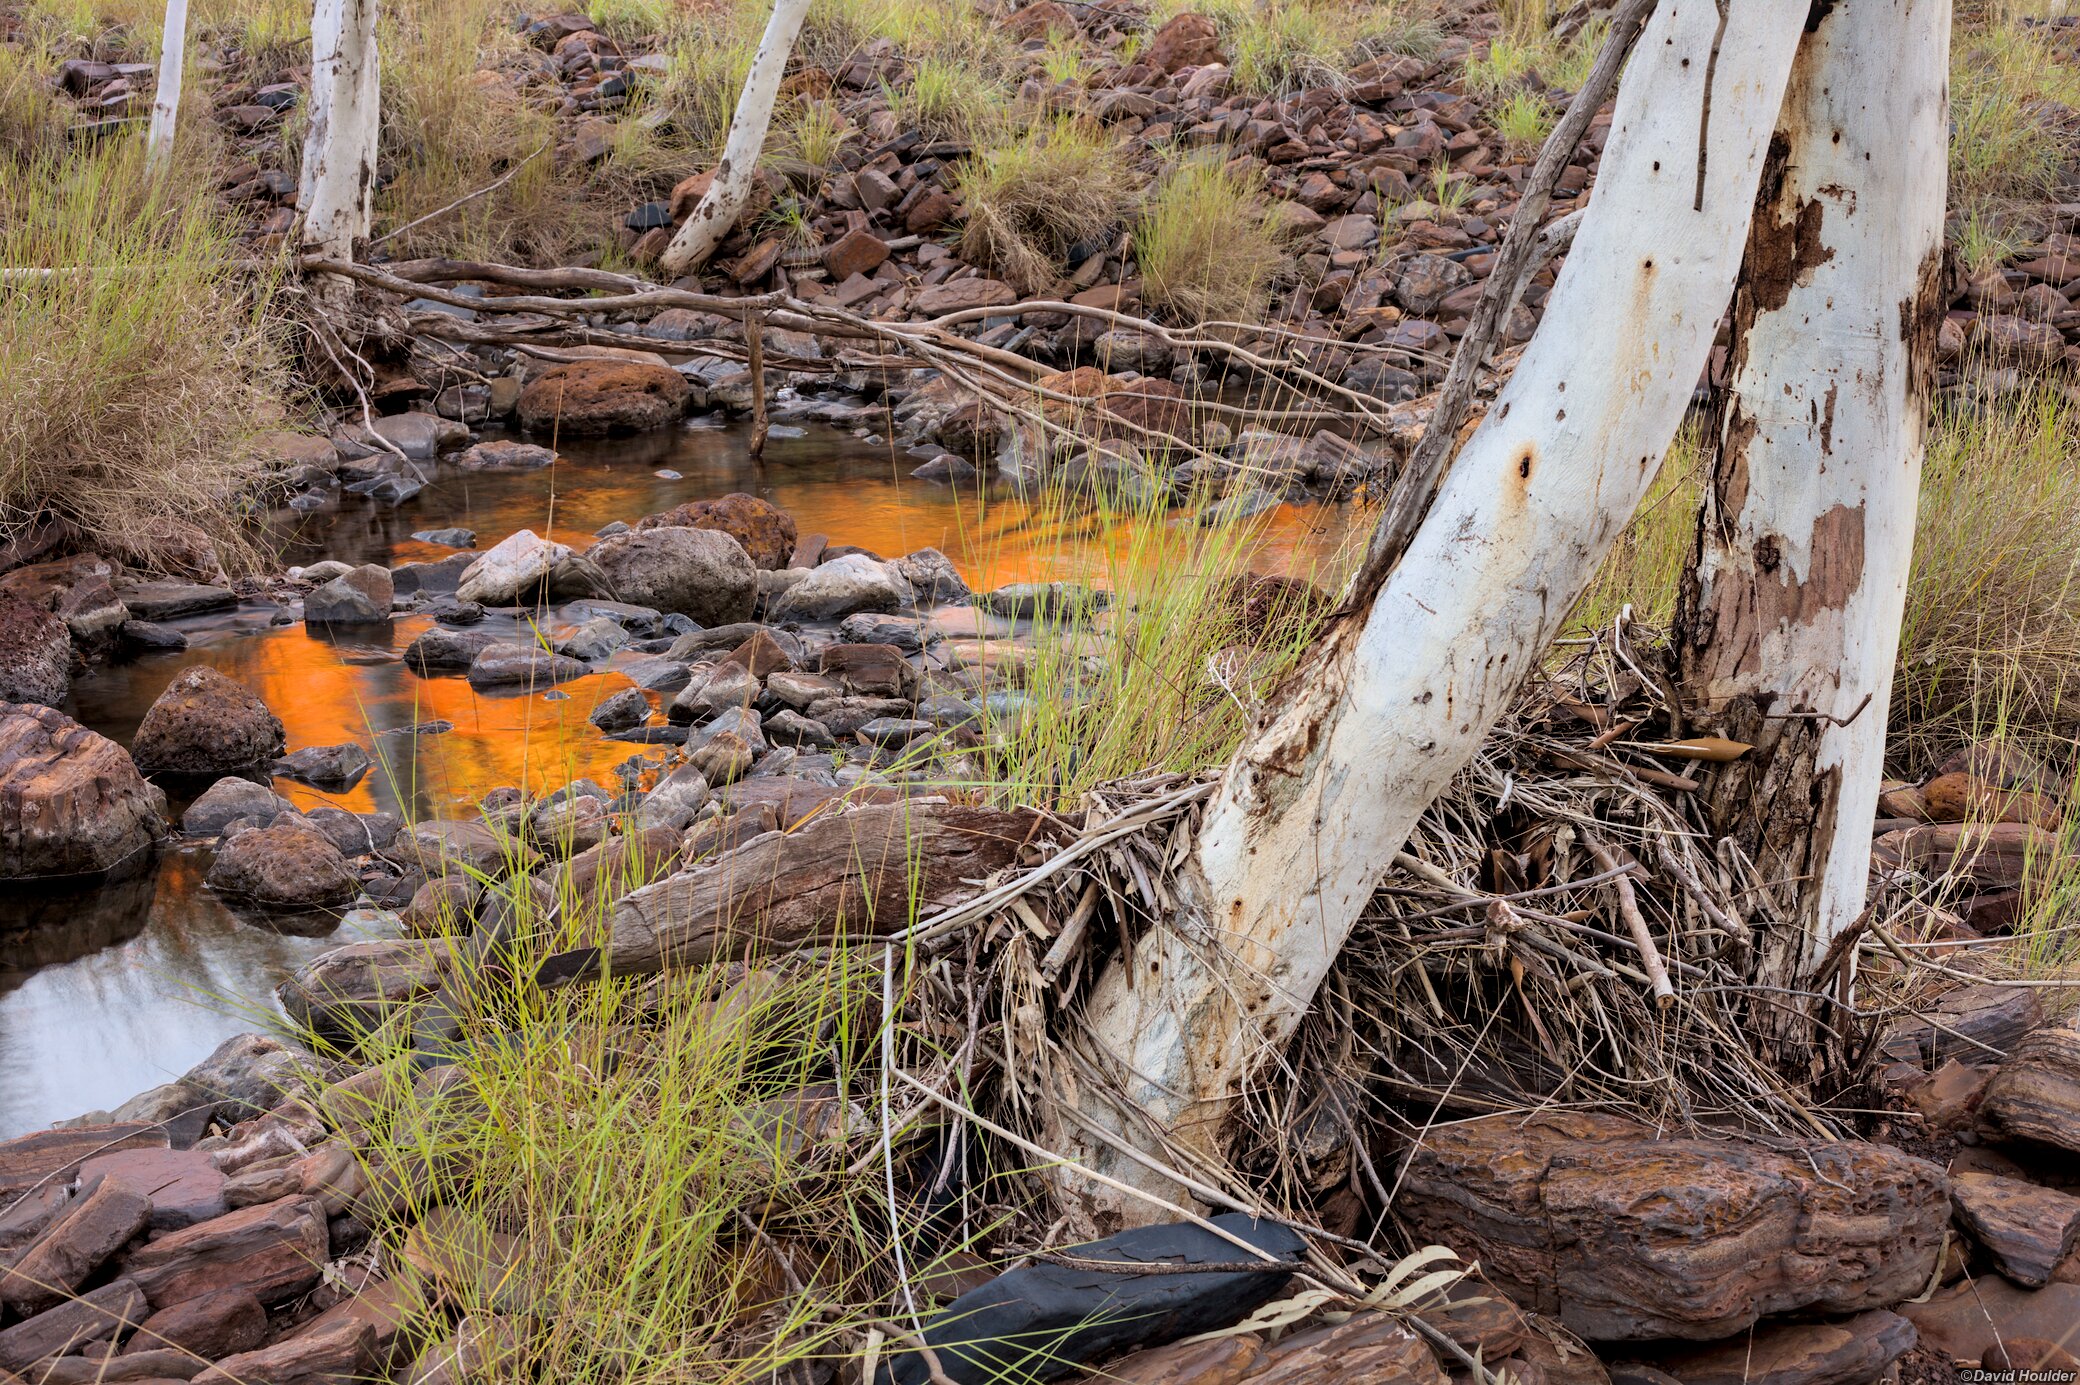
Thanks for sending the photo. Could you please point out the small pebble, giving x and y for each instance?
(666, 474)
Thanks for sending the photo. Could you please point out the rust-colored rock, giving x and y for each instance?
(101, 1312)
(272, 1251)
(206, 724)
(1188, 40)
(35, 652)
(2025, 1230)
(324, 1353)
(1972, 1023)
(1038, 20)
(1225, 1361)
(54, 1156)
(2036, 1093)
(1624, 1236)
(183, 1185)
(1959, 797)
(765, 530)
(1133, 410)
(95, 1226)
(219, 1323)
(1994, 856)
(1819, 1353)
(600, 397)
(71, 801)
(287, 865)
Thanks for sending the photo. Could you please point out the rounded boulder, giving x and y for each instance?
(35, 653)
(71, 801)
(701, 573)
(596, 398)
(288, 865)
(206, 724)
(765, 530)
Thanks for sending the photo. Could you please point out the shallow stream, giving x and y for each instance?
(113, 988)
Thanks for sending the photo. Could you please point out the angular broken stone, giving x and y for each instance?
(102, 1312)
(97, 1224)
(272, 1251)
(2036, 1093)
(2024, 1229)
(1818, 1353)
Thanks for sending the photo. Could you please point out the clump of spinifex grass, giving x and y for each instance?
(2012, 137)
(32, 123)
(653, 1180)
(451, 127)
(1168, 675)
(1031, 199)
(133, 375)
(1279, 46)
(1208, 244)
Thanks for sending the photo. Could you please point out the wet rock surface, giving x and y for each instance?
(71, 802)
(204, 723)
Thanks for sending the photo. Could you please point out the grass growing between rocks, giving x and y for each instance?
(1030, 200)
(127, 392)
(1276, 47)
(2012, 130)
(1209, 244)
(1167, 677)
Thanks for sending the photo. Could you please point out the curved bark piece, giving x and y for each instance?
(337, 186)
(724, 200)
(1315, 805)
(166, 97)
(1791, 610)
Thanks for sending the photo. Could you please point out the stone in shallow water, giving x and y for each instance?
(523, 666)
(206, 724)
(286, 865)
(328, 766)
(623, 710)
(230, 799)
(448, 538)
(71, 802)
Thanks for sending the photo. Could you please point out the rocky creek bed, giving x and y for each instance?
(553, 710)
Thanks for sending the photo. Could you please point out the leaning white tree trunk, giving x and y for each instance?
(166, 99)
(1791, 610)
(731, 186)
(1314, 807)
(337, 188)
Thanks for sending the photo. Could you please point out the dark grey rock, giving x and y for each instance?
(623, 710)
(448, 538)
(328, 766)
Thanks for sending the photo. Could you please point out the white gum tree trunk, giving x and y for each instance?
(337, 188)
(166, 98)
(724, 200)
(1315, 805)
(1791, 610)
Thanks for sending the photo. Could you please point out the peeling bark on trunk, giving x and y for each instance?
(337, 187)
(1790, 615)
(166, 98)
(1316, 804)
(724, 201)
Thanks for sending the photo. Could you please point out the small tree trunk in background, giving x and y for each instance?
(1314, 806)
(337, 189)
(724, 201)
(166, 99)
(1789, 622)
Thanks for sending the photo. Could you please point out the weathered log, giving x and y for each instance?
(863, 873)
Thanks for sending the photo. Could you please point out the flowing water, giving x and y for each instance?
(110, 989)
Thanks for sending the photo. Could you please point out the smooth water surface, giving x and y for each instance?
(109, 990)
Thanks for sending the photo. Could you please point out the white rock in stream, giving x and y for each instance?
(517, 564)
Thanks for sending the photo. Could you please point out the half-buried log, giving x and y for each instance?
(864, 873)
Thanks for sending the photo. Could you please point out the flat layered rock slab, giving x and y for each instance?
(272, 1250)
(2036, 1093)
(1968, 1319)
(173, 600)
(55, 1156)
(1849, 1352)
(2025, 1229)
(1624, 1236)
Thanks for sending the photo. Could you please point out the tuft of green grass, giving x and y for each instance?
(947, 99)
(1276, 47)
(2013, 99)
(1506, 65)
(32, 122)
(129, 389)
(1523, 119)
(1064, 61)
(1029, 200)
(1208, 244)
